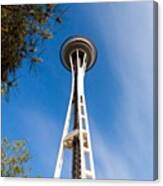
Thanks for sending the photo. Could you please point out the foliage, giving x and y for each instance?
(23, 27)
(14, 156)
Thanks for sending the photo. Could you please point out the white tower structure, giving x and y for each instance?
(78, 55)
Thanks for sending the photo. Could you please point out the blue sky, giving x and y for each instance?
(119, 92)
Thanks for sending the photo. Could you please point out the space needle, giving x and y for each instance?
(78, 55)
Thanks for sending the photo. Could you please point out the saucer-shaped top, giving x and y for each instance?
(81, 43)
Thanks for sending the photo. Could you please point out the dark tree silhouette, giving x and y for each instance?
(22, 29)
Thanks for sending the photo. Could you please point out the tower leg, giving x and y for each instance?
(60, 158)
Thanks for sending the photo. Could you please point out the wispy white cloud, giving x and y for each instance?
(42, 132)
(129, 154)
(109, 164)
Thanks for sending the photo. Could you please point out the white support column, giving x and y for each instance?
(81, 74)
(80, 77)
(89, 141)
(59, 163)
